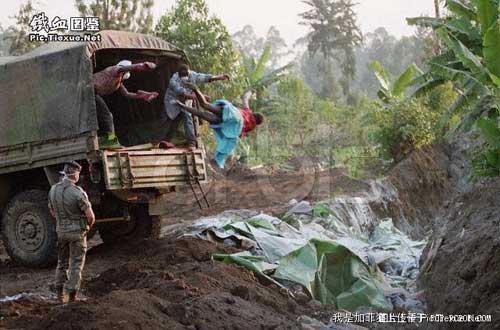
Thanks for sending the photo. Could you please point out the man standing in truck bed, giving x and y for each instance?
(107, 82)
(177, 91)
(229, 123)
(70, 205)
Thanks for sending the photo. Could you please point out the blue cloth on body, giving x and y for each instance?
(227, 133)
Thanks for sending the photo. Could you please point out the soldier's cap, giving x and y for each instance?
(71, 168)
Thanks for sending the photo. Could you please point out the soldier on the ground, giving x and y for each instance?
(70, 205)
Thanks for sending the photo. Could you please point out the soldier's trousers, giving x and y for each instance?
(71, 259)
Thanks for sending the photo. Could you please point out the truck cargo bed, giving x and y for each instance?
(154, 168)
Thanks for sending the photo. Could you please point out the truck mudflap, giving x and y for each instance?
(155, 168)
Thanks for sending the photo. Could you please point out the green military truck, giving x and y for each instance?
(48, 116)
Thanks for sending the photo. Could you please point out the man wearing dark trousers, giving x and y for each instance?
(107, 82)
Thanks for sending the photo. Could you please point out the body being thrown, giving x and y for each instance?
(228, 122)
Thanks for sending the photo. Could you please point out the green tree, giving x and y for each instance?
(335, 33)
(125, 15)
(4, 42)
(258, 78)
(470, 38)
(291, 123)
(320, 73)
(207, 42)
(17, 35)
(402, 126)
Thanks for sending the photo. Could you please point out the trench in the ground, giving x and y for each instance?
(362, 223)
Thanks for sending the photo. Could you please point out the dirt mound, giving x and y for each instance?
(463, 277)
(166, 285)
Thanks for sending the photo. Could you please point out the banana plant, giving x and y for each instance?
(470, 59)
(389, 91)
(258, 79)
(471, 38)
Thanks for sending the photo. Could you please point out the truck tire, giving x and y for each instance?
(139, 227)
(29, 232)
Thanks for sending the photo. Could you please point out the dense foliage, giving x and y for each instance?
(204, 37)
(126, 15)
(403, 125)
(470, 41)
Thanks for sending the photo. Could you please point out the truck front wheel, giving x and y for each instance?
(29, 232)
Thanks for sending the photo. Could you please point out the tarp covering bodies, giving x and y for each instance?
(329, 271)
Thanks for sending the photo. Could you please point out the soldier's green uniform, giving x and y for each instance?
(70, 203)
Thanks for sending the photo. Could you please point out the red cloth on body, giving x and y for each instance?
(108, 80)
(249, 123)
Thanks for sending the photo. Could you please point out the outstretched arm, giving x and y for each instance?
(200, 78)
(139, 67)
(220, 77)
(140, 95)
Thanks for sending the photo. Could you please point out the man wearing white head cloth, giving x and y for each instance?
(107, 82)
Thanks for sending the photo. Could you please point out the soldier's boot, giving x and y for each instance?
(72, 296)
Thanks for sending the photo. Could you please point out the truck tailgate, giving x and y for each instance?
(156, 168)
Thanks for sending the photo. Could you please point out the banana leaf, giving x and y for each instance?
(260, 67)
(487, 13)
(491, 49)
(467, 57)
(459, 8)
(490, 132)
(405, 80)
(381, 74)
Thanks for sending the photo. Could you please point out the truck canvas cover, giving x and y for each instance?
(47, 94)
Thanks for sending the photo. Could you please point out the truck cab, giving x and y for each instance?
(48, 117)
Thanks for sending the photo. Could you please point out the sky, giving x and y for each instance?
(262, 14)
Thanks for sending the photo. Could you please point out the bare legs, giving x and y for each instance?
(211, 117)
(213, 114)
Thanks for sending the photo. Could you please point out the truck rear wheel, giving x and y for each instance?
(29, 231)
(138, 227)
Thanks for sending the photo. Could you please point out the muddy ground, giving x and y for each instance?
(158, 285)
(173, 284)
